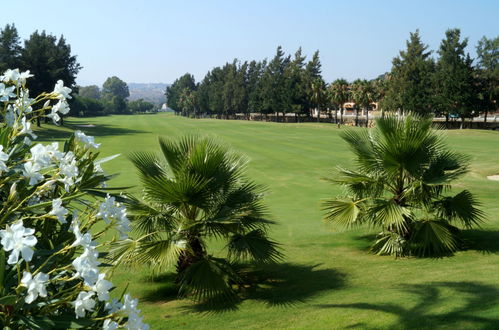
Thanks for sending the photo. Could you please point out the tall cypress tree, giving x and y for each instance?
(488, 74)
(454, 81)
(312, 74)
(411, 77)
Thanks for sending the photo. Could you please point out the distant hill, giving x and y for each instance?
(151, 92)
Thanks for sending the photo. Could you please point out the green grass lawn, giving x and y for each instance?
(328, 279)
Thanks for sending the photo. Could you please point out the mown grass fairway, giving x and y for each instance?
(328, 279)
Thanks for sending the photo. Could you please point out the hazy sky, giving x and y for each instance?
(157, 41)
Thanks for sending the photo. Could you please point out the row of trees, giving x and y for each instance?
(111, 99)
(281, 85)
(453, 84)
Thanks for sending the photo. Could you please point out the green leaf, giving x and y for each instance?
(343, 213)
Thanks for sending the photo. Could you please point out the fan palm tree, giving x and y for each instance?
(400, 184)
(360, 96)
(196, 196)
(318, 88)
(340, 94)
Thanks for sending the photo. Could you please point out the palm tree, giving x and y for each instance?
(318, 88)
(404, 172)
(197, 196)
(340, 94)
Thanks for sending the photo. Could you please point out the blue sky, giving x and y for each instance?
(157, 41)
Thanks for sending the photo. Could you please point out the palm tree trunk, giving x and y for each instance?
(189, 256)
(336, 116)
(357, 117)
(318, 114)
(367, 117)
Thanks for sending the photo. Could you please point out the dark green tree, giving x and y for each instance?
(92, 92)
(488, 73)
(50, 60)
(296, 87)
(174, 91)
(455, 91)
(10, 48)
(274, 84)
(411, 77)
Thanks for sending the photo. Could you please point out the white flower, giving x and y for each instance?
(102, 288)
(54, 116)
(26, 128)
(68, 182)
(58, 210)
(3, 158)
(135, 322)
(30, 171)
(36, 285)
(23, 103)
(6, 92)
(86, 266)
(88, 141)
(113, 306)
(18, 239)
(110, 325)
(84, 240)
(25, 75)
(110, 210)
(10, 76)
(27, 141)
(61, 106)
(60, 91)
(45, 156)
(134, 318)
(83, 303)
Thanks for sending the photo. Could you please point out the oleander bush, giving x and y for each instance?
(54, 226)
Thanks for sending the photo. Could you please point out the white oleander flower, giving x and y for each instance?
(10, 76)
(25, 75)
(26, 128)
(6, 92)
(30, 171)
(113, 306)
(84, 240)
(61, 107)
(88, 141)
(110, 325)
(23, 102)
(19, 240)
(102, 288)
(86, 266)
(83, 303)
(135, 322)
(61, 91)
(58, 210)
(36, 285)
(54, 116)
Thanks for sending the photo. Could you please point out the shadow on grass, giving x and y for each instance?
(486, 241)
(163, 288)
(430, 299)
(365, 241)
(279, 285)
(48, 132)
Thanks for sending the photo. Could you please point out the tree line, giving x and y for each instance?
(451, 84)
(110, 99)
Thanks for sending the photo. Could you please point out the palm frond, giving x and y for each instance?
(254, 245)
(343, 213)
(461, 207)
(390, 215)
(210, 279)
(433, 238)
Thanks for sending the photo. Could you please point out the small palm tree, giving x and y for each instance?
(340, 94)
(403, 170)
(199, 195)
(318, 88)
